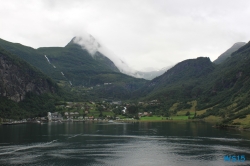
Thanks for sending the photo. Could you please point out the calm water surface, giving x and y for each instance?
(149, 143)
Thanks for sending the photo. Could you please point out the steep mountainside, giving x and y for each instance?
(96, 72)
(33, 57)
(78, 66)
(18, 78)
(75, 66)
(227, 91)
(24, 91)
(228, 53)
(219, 90)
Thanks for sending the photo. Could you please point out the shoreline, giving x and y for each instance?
(227, 127)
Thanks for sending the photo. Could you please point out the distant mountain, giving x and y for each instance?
(151, 74)
(228, 53)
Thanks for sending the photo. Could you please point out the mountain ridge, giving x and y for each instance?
(228, 52)
(73, 66)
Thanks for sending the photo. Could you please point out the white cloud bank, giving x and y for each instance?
(89, 43)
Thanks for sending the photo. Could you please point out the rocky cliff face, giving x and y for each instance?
(18, 77)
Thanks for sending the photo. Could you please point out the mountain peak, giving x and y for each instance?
(228, 52)
(190, 68)
(93, 47)
(87, 42)
(240, 44)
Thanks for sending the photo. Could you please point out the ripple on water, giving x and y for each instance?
(143, 147)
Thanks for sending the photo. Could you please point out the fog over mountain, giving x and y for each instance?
(89, 43)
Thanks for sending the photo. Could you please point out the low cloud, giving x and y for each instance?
(142, 33)
(89, 43)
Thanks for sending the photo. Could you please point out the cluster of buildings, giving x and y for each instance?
(140, 114)
(71, 115)
(54, 116)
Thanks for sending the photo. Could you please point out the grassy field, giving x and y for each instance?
(180, 117)
(174, 106)
(157, 118)
(245, 121)
(201, 112)
(107, 113)
(213, 118)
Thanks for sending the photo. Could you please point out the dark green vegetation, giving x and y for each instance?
(220, 90)
(24, 90)
(31, 56)
(86, 73)
(32, 106)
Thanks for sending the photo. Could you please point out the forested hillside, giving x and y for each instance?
(24, 90)
(73, 66)
(219, 90)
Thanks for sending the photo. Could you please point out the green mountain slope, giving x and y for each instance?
(78, 66)
(24, 90)
(222, 91)
(33, 57)
(178, 81)
(228, 91)
(73, 66)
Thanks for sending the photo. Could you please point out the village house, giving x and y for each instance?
(73, 115)
(54, 116)
(91, 118)
(117, 102)
(66, 114)
(80, 117)
(140, 103)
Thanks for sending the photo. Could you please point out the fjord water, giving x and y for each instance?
(147, 143)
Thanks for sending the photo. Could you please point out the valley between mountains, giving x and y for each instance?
(84, 80)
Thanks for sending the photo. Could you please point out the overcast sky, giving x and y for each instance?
(147, 34)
